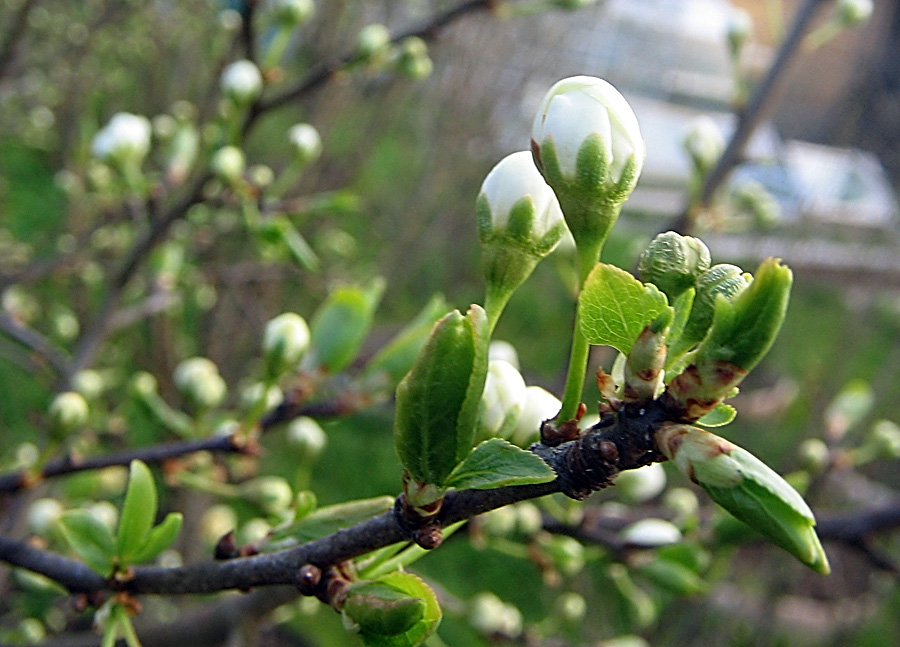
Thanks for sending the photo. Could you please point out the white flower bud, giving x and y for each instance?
(68, 411)
(242, 82)
(126, 138)
(499, 349)
(106, 513)
(571, 607)
(738, 30)
(216, 522)
(272, 493)
(372, 40)
(42, 514)
(228, 164)
(650, 533)
(252, 395)
(305, 142)
(491, 616)
(285, 341)
(293, 12)
(306, 436)
(581, 108)
(704, 143)
(521, 201)
(853, 12)
(642, 484)
(540, 405)
(198, 380)
(89, 383)
(501, 401)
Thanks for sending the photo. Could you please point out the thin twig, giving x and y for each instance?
(15, 481)
(16, 30)
(54, 356)
(754, 112)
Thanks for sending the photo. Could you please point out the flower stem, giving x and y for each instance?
(581, 348)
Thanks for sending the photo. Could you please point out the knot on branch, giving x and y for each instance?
(423, 529)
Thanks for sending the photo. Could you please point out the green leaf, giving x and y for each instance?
(410, 587)
(341, 324)
(718, 417)
(138, 511)
(330, 519)
(672, 576)
(91, 540)
(614, 307)
(437, 401)
(498, 463)
(296, 245)
(160, 538)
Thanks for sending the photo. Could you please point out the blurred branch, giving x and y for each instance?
(856, 530)
(22, 479)
(323, 72)
(54, 357)
(248, 36)
(14, 33)
(757, 108)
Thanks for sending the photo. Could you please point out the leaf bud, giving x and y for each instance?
(747, 488)
(673, 263)
(753, 199)
(285, 341)
(376, 609)
(306, 144)
(242, 82)
(291, 13)
(68, 412)
(124, 140)
(587, 144)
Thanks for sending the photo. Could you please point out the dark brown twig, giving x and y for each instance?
(54, 357)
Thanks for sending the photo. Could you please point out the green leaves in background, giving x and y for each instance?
(498, 463)
(341, 324)
(397, 610)
(437, 401)
(615, 307)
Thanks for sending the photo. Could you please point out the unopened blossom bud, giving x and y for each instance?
(43, 515)
(124, 140)
(491, 616)
(504, 350)
(242, 82)
(199, 381)
(228, 164)
(540, 405)
(413, 60)
(885, 439)
(587, 144)
(285, 341)
(571, 607)
(814, 455)
(651, 533)
(673, 263)
(753, 199)
(853, 12)
(272, 493)
(305, 142)
(746, 487)
(502, 400)
(89, 383)
(373, 40)
(738, 31)
(704, 143)
(519, 223)
(291, 13)
(68, 412)
(642, 484)
(306, 437)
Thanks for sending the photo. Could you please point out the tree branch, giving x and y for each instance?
(10, 483)
(16, 30)
(54, 357)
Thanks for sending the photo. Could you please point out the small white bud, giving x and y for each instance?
(228, 164)
(285, 341)
(242, 82)
(43, 514)
(306, 436)
(853, 12)
(649, 533)
(372, 40)
(499, 349)
(704, 143)
(198, 380)
(126, 138)
(68, 411)
(642, 484)
(293, 12)
(502, 400)
(540, 405)
(305, 142)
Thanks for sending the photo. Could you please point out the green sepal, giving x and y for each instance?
(615, 307)
(138, 511)
(341, 324)
(397, 356)
(328, 520)
(498, 463)
(381, 618)
(160, 538)
(722, 415)
(91, 540)
(437, 401)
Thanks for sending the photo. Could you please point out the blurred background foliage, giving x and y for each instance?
(393, 196)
